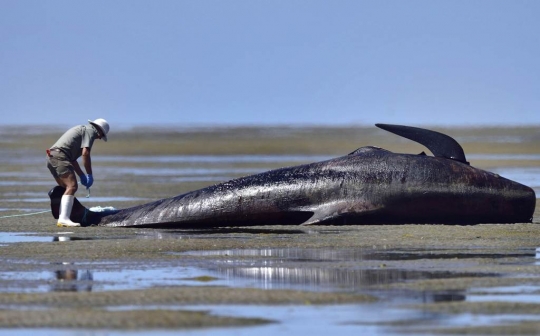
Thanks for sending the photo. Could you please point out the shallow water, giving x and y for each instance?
(95, 278)
(518, 294)
(21, 237)
(355, 271)
(350, 270)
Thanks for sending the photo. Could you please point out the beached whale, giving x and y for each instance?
(368, 186)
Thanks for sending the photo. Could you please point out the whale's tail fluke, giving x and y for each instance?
(439, 144)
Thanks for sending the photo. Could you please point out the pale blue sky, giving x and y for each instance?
(288, 62)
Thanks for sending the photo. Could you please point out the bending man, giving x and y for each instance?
(62, 162)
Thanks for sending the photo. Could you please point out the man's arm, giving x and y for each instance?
(87, 162)
(77, 168)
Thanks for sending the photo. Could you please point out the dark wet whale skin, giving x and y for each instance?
(369, 186)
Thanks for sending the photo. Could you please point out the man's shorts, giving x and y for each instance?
(58, 164)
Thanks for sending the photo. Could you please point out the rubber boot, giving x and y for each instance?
(66, 204)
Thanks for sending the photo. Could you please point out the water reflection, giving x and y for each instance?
(66, 238)
(70, 279)
(351, 270)
(348, 270)
(180, 233)
(320, 255)
(375, 272)
(317, 279)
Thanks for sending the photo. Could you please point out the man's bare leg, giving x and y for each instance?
(68, 181)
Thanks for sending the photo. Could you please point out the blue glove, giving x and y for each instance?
(89, 181)
(84, 181)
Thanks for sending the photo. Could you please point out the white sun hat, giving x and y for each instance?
(103, 126)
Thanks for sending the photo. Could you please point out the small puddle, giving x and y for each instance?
(22, 237)
(32, 237)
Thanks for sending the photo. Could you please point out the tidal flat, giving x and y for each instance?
(384, 279)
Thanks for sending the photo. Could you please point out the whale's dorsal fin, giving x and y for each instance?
(439, 144)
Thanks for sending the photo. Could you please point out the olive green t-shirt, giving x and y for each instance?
(75, 139)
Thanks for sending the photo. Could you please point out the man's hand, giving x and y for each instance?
(84, 180)
(89, 181)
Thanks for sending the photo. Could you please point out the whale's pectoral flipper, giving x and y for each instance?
(439, 144)
(334, 211)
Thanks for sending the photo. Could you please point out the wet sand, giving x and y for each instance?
(123, 247)
(462, 257)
